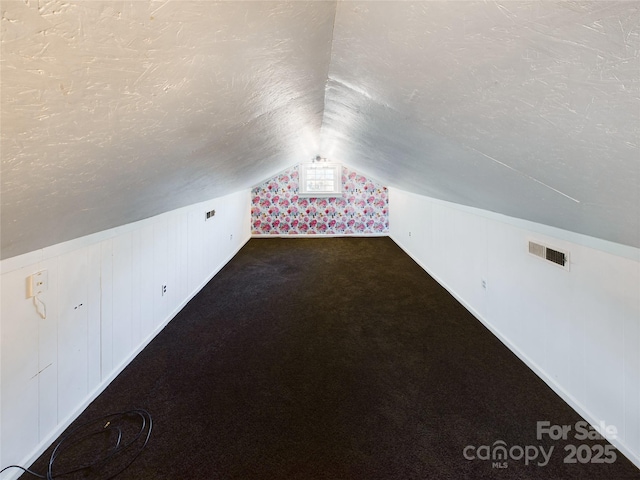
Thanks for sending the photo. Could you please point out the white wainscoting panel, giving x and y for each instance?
(578, 329)
(104, 303)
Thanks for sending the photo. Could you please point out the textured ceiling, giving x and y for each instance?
(530, 109)
(117, 111)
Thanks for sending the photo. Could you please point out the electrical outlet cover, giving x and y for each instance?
(37, 283)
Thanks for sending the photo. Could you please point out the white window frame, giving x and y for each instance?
(305, 178)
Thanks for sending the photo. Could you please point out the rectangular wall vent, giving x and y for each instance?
(537, 249)
(550, 254)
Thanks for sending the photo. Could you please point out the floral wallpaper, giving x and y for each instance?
(277, 209)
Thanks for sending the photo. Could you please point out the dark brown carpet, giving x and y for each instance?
(335, 359)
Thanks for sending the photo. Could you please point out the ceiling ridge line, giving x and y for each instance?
(327, 79)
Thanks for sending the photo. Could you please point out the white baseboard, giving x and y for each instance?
(540, 372)
(60, 428)
(317, 235)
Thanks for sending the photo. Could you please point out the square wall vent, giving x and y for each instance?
(557, 257)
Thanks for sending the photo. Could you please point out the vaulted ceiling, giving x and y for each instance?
(115, 111)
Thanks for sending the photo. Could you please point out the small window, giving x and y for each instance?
(320, 179)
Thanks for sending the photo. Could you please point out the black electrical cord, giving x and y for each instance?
(112, 429)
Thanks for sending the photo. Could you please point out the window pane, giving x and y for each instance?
(320, 179)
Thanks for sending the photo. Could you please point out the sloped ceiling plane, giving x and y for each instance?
(115, 111)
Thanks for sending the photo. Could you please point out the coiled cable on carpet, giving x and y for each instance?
(115, 429)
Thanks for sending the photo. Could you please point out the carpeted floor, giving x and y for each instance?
(337, 358)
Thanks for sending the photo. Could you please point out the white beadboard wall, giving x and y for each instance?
(103, 305)
(579, 330)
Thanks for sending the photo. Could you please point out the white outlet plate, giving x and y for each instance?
(37, 283)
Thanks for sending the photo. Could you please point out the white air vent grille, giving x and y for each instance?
(536, 249)
(552, 255)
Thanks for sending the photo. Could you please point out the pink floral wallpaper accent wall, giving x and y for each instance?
(277, 209)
